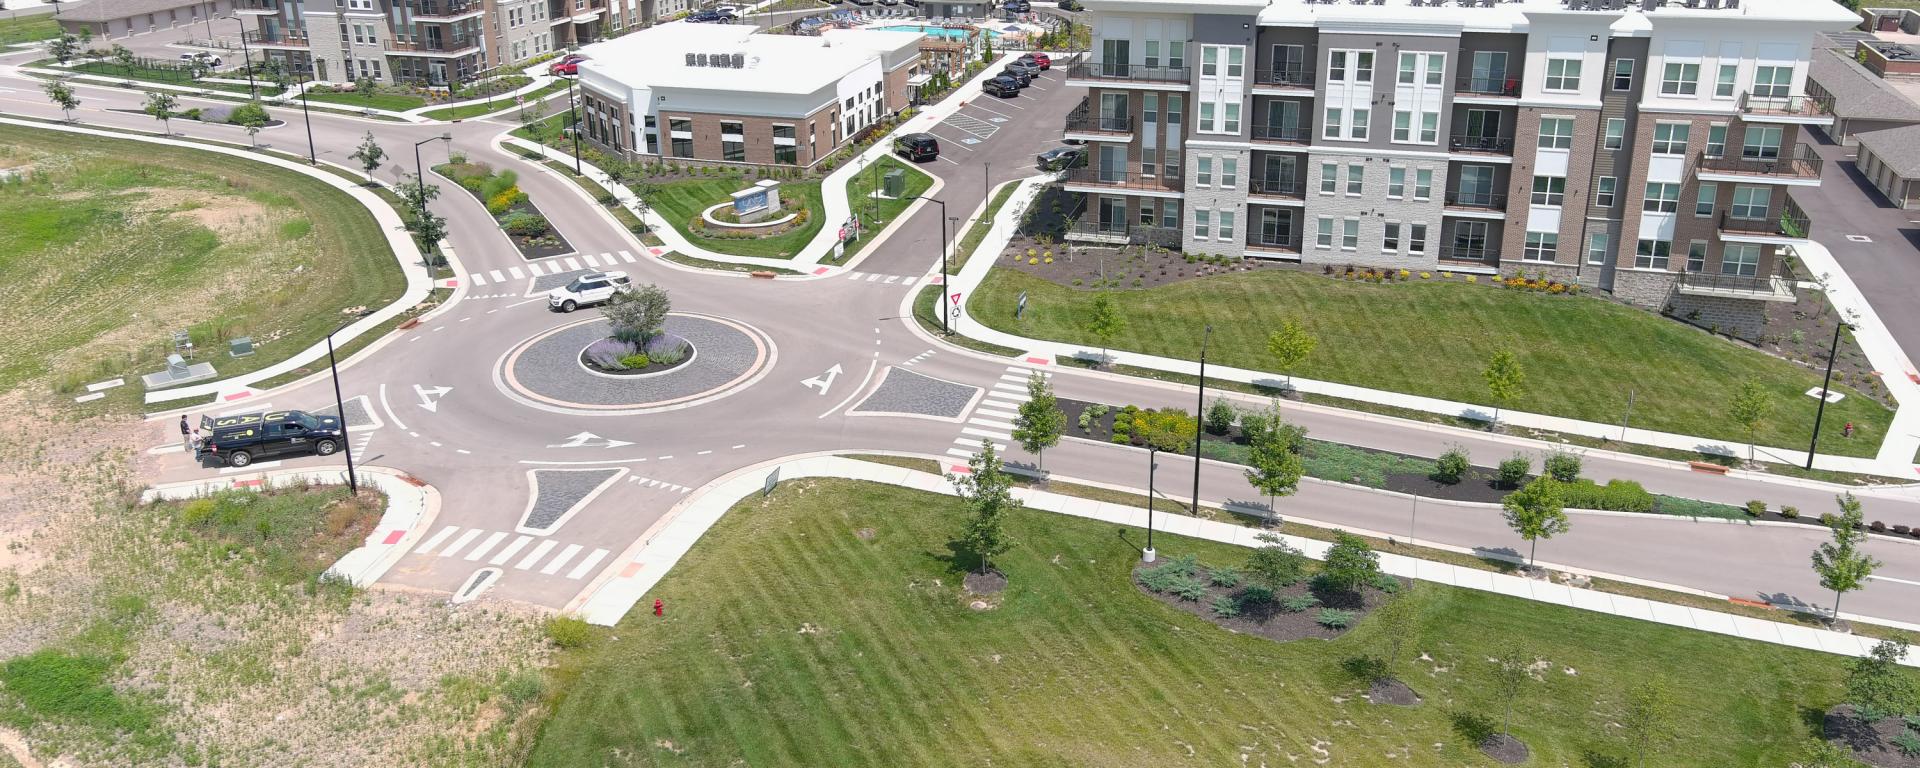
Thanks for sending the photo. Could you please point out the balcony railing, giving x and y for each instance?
(1790, 223)
(257, 6)
(1480, 201)
(1080, 121)
(1282, 134)
(1106, 177)
(1128, 73)
(449, 46)
(426, 9)
(1488, 86)
(1285, 77)
(1262, 241)
(275, 37)
(1123, 233)
(1488, 145)
(1288, 188)
(1768, 288)
(1786, 106)
(1475, 256)
(1802, 163)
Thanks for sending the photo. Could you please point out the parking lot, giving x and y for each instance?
(1022, 125)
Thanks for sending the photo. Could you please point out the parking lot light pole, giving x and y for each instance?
(1147, 555)
(574, 115)
(420, 172)
(246, 58)
(1825, 384)
(1199, 411)
(340, 409)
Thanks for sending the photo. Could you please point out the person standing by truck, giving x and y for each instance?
(186, 433)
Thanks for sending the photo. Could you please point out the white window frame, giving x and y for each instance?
(1541, 247)
(1680, 78)
(1563, 74)
(1556, 140)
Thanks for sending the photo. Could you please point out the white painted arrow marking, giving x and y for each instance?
(586, 440)
(823, 381)
(428, 396)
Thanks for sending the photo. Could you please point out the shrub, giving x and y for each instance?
(568, 631)
(1120, 437)
(1298, 603)
(1877, 527)
(1615, 496)
(1908, 743)
(1224, 576)
(607, 353)
(523, 688)
(1256, 593)
(1334, 618)
(636, 360)
(1790, 513)
(1385, 582)
(492, 184)
(1451, 466)
(666, 349)
(1226, 607)
(498, 204)
(523, 224)
(1220, 416)
(1756, 508)
(1187, 587)
(1514, 470)
(1561, 466)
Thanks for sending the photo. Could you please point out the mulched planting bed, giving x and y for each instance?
(1268, 619)
(1387, 690)
(989, 583)
(1505, 749)
(1872, 743)
(531, 247)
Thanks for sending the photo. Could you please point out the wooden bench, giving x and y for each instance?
(1708, 467)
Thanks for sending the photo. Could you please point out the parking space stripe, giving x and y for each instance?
(587, 564)
(427, 546)
(465, 538)
(486, 546)
(560, 561)
(534, 556)
(511, 550)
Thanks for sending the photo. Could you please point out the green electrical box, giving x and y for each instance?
(894, 184)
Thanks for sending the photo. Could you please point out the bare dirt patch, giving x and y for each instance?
(1388, 690)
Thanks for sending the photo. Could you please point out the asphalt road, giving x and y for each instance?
(449, 416)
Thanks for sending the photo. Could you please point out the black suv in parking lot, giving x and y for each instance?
(1003, 86)
(240, 439)
(917, 146)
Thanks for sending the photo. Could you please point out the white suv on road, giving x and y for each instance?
(590, 288)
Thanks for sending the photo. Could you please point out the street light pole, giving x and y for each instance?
(945, 327)
(419, 172)
(246, 58)
(1821, 412)
(340, 409)
(313, 156)
(1199, 410)
(1148, 555)
(574, 115)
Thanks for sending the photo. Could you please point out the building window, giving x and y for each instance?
(1359, 132)
(1751, 202)
(1723, 81)
(1772, 82)
(1696, 256)
(1356, 179)
(1670, 138)
(786, 154)
(1349, 234)
(1203, 171)
(1403, 124)
(1603, 190)
(1541, 246)
(1717, 140)
(1616, 132)
(1416, 238)
(1623, 74)
(1409, 68)
(1549, 190)
(1391, 242)
(1329, 178)
(1333, 126)
(1337, 66)
(1740, 259)
(1661, 197)
(1652, 254)
(1226, 225)
(1556, 132)
(733, 143)
(1680, 79)
(1422, 184)
(1232, 120)
(1201, 226)
(1323, 236)
(1229, 172)
(1705, 198)
(1396, 182)
(1435, 67)
(1760, 142)
(1429, 127)
(1146, 214)
(1597, 246)
(1340, 63)
(1169, 213)
(1563, 74)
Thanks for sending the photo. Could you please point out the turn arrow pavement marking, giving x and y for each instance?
(429, 396)
(823, 381)
(586, 440)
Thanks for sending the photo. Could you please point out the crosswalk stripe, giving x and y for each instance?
(535, 269)
(1005, 387)
(996, 414)
(511, 550)
(497, 276)
(991, 423)
(908, 280)
(855, 275)
(587, 564)
(984, 433)
(891, 278)
(992, 403)
(426, 547)
(588, 258)
(534, 556)
(477, 278)
(1022, 380)
(626, 257)
(572, 266)
(465, 538)
(960, 453)
(516, 273)
(871, 278)
(560, 561)
(486, 546)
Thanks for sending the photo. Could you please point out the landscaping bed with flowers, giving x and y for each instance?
(517, 216)
(619, 357)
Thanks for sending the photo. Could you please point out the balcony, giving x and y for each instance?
(447, 10)
(1288, 79)
(1282, 134)
(1285, 189)
(1491, 87)
(1796, 110)
(1122, 233)
(1801, 167)
(276, 38)
(1477, 202)
(1737, 287)
(256, 7)
(1481, 145)
(1100, 73)
(1263, 245)
(435, 48)
(1469, 258)
(1791, 226)
(1086, 126)
(1109, 180)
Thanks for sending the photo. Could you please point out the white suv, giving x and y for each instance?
(590, 288)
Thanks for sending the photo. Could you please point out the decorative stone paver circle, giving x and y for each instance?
(545, 371)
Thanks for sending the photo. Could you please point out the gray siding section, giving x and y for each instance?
(1385, 63)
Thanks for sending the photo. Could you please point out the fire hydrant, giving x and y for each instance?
(659, 608)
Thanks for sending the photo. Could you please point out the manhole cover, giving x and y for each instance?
(1859, 238)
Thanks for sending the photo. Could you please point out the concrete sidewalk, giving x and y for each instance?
(630, 576)
(1895, 458)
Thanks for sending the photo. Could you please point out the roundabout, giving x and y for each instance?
(546, 371)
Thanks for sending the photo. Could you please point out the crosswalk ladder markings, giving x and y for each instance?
(560, 561)
(534, 556)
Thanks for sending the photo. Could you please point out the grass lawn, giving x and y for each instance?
(1581, 355)
(382, 99)
(167, 76)
(113, 244)
(499, 103)
(682, 201)
(790, 640)
(859, 194)
(27, 29)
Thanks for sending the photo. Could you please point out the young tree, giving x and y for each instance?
(161, 105)
(1536, 512)
(1399, 624)
(86, 36)
(1039, 423)
(1876, 681)
(1648, 721)
(1276, 566)
(1289, 346)
(1106, 322)
(370, 156)
(1510, 673)
(253, 117)
(1349, 563)
(62, 95)
(988, 491)
(1750, 407)
(1220, 416)
(1506, 380)
(430, 228)
(367, 88)
(1274, 463)
(63, 48)
(1841, 565)
(638, 315)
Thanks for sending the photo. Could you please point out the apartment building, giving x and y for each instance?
(1649, 150)
(721, 93)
